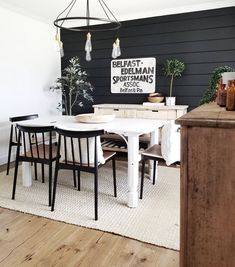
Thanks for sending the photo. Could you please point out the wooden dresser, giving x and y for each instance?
(207, 187)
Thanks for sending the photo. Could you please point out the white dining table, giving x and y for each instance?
(131, 128)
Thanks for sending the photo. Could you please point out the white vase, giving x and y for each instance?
(170, 101)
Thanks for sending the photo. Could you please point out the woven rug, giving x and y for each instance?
(155, 220)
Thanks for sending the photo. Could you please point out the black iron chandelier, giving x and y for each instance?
(65, 20)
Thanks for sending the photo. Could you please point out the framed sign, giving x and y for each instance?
(134, 75)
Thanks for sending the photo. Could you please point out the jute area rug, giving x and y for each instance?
(155, 220)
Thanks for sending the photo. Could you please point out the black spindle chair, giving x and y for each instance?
(78, 147)
(37, 147)
(13, 140)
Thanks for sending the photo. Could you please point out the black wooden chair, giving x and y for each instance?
(77, 148)
(152, 153)
(37, 147)
(170, 141)
(13, 139)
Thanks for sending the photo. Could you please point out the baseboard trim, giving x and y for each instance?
(3, 158)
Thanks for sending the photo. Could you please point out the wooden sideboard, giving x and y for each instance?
(141, 111)
(207, 236)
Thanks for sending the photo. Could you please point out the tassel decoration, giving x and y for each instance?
(114, 51)
(118, 47)
(59, 44)
(88, 47)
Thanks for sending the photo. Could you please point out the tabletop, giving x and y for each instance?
(124, 126)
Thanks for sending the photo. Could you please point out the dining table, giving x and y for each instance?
(129, 128)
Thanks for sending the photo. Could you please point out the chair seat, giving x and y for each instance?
(39, 154)
(108, 155)
(153, 151)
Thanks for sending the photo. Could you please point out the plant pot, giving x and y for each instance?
(170, 101)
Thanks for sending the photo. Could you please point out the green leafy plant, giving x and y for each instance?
(210, 93)
(73, 86)
(173, 68)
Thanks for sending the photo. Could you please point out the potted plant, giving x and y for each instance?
(172, 68)
(73, 86)
(210, 93)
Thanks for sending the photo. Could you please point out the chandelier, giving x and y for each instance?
(67, 21)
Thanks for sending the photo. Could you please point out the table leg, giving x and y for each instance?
(26, 174)
(154, 139)
(133, 171)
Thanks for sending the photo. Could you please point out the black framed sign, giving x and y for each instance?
(134, 75)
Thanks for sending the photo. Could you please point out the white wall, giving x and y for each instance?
(29, 64)
(153, 8)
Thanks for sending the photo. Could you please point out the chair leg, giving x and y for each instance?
(79, 181)
(54, 188)
(154, 171)
(35, 171)
(9, 158)
(43, 174)
(142, 179)
(15, 179)
(114, 177)
(9, 150)
(96, 194)
(50, 183)
(74, 179)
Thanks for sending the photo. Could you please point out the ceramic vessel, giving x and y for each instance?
(155, 99)
(227, 76)
(94, 118)
(170, 101)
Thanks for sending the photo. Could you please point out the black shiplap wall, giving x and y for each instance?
(203, 40)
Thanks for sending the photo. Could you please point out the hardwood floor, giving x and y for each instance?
(29, 240)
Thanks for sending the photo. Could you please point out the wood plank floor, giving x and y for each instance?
(29, 240)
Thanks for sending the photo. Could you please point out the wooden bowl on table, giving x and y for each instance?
(155, 99)
(94, 118)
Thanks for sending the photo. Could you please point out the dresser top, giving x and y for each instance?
(140, 106)
(208, 115)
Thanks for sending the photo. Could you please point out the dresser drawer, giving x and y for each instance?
(152, 114)
(119, 113)
(180, 112)
(171, 115)
(130, 113)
